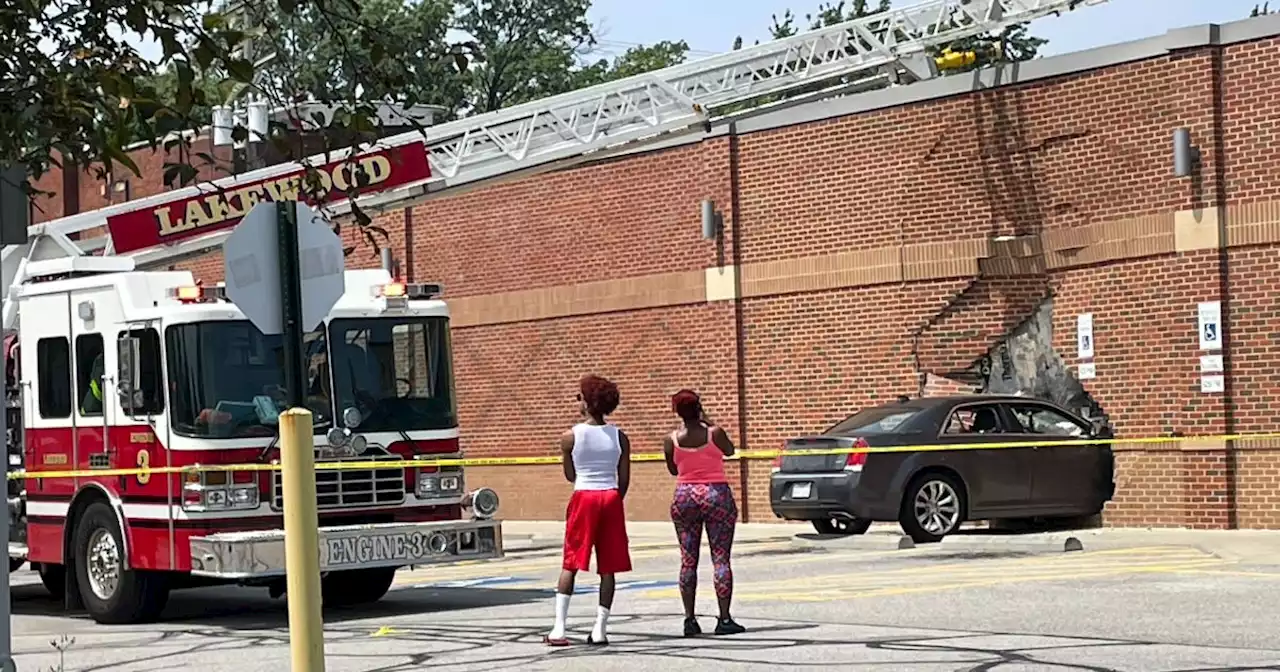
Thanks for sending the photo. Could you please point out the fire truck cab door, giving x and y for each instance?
(95, 321)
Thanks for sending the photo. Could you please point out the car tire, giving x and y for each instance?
(112, 594)
(932, 507)
(355, 587)
(842, 526)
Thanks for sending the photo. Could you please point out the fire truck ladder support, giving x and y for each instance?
(609, 117)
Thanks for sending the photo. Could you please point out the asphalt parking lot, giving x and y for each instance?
(818, 605)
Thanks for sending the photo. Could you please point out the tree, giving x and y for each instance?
(634, 61)
(401, 52)
(74, 91)
(529, 48)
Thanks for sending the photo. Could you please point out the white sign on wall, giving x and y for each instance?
(1087, 371)
(1084, 336)
(1210, 314)
(1213, 384)
(1211, 364)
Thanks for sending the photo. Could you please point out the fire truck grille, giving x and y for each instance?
(351, 488)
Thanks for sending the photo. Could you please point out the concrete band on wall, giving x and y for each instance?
(876, 240)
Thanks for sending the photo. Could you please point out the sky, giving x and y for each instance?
(709, 26)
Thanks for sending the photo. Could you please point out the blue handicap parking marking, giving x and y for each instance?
(484, 582)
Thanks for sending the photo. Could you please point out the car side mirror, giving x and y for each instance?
(1101, 428)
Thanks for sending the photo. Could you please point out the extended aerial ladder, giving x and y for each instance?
(616, 116)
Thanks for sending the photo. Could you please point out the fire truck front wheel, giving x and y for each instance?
(111, 593)
(356, 586)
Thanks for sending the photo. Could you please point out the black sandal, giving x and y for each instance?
(592, 642)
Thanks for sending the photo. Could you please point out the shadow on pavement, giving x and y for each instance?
(250, 608)
(504, 643)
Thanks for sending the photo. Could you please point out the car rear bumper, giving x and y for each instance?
(247, 555)
(830, 495)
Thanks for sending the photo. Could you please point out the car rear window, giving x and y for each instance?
(874, 421)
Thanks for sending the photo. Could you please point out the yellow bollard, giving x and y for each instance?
(301, 540)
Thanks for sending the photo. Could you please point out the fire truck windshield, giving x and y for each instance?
(226, 379)
(395, 371)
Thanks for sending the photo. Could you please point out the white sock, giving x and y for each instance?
(599, 633)
(562, 615)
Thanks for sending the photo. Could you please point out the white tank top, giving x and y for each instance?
(596, 452)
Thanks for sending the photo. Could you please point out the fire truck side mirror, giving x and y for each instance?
(130, 371)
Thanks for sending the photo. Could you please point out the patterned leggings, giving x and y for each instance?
(694, 506)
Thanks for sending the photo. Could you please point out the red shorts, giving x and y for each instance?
(596, 519)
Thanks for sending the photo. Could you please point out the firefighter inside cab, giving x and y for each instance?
(92, 402)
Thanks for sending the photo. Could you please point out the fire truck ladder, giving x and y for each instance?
(610, 117)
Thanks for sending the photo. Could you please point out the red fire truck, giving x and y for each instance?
(117, 368)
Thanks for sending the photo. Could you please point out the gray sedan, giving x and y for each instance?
(931, 491)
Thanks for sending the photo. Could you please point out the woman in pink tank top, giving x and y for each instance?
(695, 456)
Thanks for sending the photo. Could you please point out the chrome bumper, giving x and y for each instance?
(246, 555)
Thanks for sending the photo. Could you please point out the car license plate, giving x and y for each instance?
(801, 490)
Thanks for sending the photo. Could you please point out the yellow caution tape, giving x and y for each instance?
(367, 465)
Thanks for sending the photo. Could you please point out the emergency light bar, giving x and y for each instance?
(414, 291)
(199, 294)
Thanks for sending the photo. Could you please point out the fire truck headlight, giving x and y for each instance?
(438, 485)
(244, 497)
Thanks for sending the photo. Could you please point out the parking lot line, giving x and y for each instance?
(977, 573)
(851, 576)
(550, 562)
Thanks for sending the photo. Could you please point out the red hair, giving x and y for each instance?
(599, 394)
(687, 404)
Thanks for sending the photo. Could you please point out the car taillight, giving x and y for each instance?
(857, 459)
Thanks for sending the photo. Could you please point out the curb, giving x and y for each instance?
(1011, 542)
(864, 542)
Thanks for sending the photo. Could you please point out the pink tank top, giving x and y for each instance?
(703, 465)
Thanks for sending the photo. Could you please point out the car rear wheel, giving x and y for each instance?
(841, 526)
(932, 508)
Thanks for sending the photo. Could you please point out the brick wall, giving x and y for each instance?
(863, 254)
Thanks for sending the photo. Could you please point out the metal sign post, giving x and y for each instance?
(284, 270)
(15, 213)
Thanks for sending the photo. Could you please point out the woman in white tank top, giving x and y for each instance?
(597, 460)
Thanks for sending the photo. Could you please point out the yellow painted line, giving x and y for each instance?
(836, 594)
(1226, 572)
(477, 569)
(842, 581)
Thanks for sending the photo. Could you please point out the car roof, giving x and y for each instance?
(949, 400)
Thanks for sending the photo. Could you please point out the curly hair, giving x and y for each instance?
(687, 404)
(599, 394)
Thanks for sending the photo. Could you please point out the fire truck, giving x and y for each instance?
(112, 366)
(119, 368)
